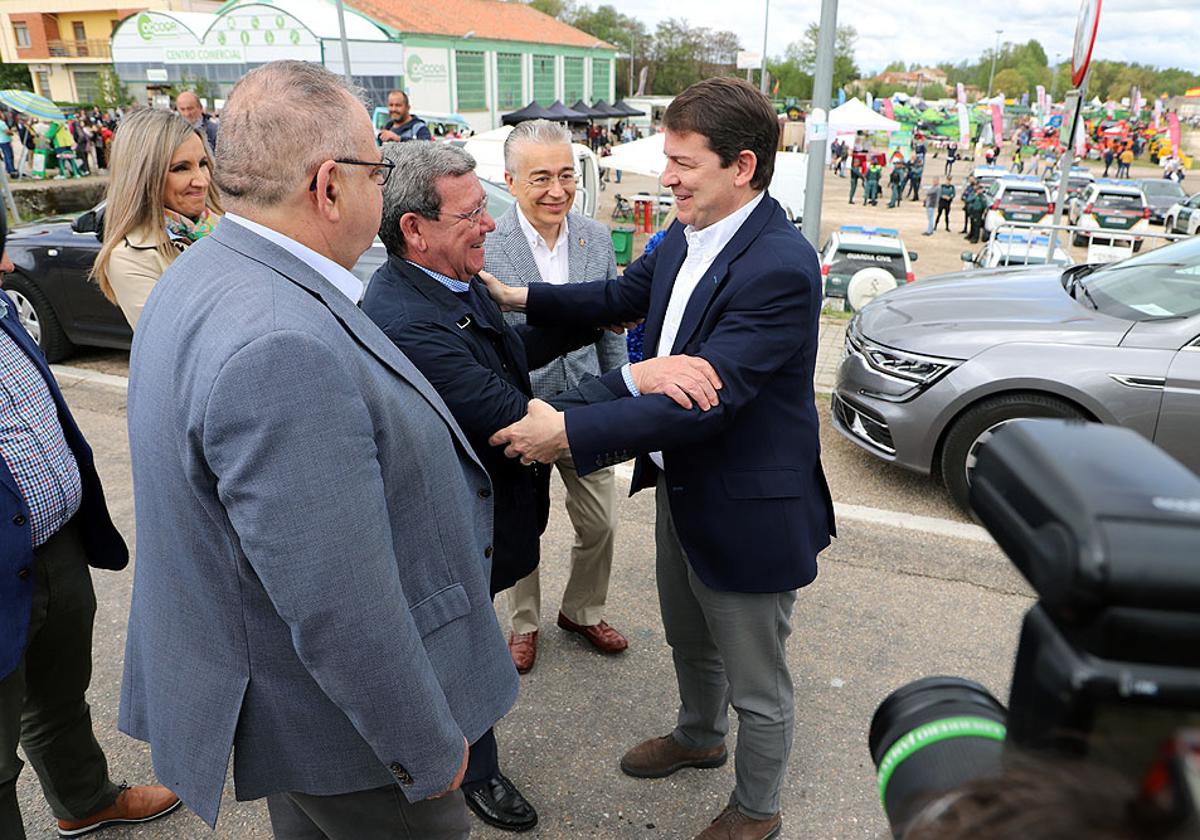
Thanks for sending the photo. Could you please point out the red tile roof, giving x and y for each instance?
(490, 19)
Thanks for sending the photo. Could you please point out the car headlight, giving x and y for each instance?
(916, 368)
(911, 367)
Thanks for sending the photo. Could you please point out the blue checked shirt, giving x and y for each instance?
(33, 445)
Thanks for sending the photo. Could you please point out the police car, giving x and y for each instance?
(1079, 180)
(860, 263)
(1109, 205)
(1017, 198)
(987, 175)
(1015, 249)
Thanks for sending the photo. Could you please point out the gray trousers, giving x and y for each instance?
(377, 814)
(729, 649)
(42, 702)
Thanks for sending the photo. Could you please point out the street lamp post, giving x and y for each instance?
(995, 50)
(1054, 78)
(762, 84)
(631, 44)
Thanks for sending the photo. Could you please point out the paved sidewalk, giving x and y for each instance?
(829, 352)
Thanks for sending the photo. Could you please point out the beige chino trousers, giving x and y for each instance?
(591, 506)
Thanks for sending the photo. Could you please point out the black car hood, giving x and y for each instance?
(959, 315)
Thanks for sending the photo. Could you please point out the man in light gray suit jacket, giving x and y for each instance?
(313, 531)
(540, 240)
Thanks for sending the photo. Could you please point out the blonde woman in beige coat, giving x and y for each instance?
(161, 198)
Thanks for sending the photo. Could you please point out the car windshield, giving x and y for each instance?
(1118, 201)
(1024, 198)
(1163, 283)
(1163, 188)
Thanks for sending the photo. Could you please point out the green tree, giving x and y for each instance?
(561, 9)
(682, 55)
(793, 81)
(894, 67)
(110, 90)
(1011, 82)
(804, 52)
(933, 92)
(15, 76)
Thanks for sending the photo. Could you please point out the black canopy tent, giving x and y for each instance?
(628, 110)
(560, 112)
(532, 111)
(608, 111)
(588, 112)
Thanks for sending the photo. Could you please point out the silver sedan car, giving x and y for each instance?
(932, 369)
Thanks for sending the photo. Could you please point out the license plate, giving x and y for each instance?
(1022, 217)
(1121, 221)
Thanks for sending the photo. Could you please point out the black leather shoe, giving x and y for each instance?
(498, 803)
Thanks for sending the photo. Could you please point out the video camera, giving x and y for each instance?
(1106, 528)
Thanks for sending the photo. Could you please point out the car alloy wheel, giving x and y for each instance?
(966, 436)
(27, 315)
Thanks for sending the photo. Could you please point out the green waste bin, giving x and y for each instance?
(622, 240)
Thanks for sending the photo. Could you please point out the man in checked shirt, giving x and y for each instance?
(53, 525)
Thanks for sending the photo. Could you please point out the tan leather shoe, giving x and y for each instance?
(659, 757)
(522, 647)
(601, 635)
(139, 804)
(732, 824)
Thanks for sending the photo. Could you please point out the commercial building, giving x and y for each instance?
(477, 58)
(67, 42)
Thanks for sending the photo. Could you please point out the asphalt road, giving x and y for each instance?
(892, 602)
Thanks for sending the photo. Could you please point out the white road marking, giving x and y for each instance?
(843, 510)
(66, 373)
(888, 518)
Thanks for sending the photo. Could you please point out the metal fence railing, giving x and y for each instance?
(1103, 245)
(89, 48)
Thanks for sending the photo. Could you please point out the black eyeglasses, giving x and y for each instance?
(379, 174)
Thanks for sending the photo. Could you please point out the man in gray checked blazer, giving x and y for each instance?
(540, 240)
(313, 531)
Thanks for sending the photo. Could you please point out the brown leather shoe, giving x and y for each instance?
(139, 804)
(732, 824)
(603, 638)
(522, 647)
(659, 757)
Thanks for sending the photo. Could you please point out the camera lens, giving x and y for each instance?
(930, 737)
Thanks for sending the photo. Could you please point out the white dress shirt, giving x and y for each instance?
(703, 246)
(551, 262)
(340, 278)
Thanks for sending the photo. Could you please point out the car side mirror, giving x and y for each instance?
(912, 255)
(85, 222)
(967, 256)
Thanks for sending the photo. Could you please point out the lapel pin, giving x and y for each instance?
(581, 242)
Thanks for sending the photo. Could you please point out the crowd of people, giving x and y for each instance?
(332, 488)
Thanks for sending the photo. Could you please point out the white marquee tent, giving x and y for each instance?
(856, 116)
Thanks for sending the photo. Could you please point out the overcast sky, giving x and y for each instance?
(1162, 33)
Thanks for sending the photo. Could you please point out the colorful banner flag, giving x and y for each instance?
(1080, 136)
(1173, 128)
(1041, 99)
(870, 101)
(962, 93)
(997, 125)
(889, 110)
(841, 96)
(1157, 114)
(964, 125)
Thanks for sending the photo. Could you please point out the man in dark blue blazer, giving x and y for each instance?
(424, 298)
(743, 506)
(54, 523)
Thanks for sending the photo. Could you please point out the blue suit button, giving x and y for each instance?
(19, 520)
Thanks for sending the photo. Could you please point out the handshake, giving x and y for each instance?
(541, 435)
